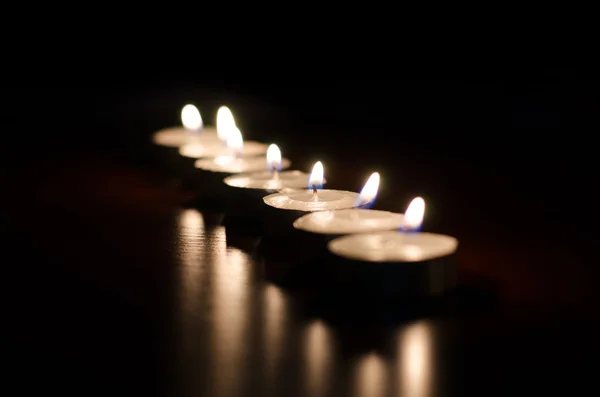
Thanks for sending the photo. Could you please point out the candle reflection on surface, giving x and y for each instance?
(230, 302)
(191, 247)
(318, 355)
(416, 366)
(275, 306)
(214, 284)
(371, 376)
(191, 251)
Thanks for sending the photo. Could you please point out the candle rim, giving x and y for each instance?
(272, 199)
(333, 247)
(302, 223)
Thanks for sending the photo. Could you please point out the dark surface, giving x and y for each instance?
(112, 287)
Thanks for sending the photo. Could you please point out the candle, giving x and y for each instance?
(217, 145)
(282, 225)
(352, 220)
(210, 172)
(167, 141)
(406, 261)
(272, 179)
(237, 161)
(314, 230)
(248, 189)
(193, 130)
(314, 198)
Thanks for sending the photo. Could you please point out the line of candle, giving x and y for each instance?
(368, 235)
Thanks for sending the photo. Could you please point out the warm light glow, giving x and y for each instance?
(369, 191)
(371, 376)
(316, 177)
(274, 157)
(416, 349)
(413, 217)
(190, 118)
(234, 141)
(318, 353)
(225, 122)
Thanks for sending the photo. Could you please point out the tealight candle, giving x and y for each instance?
(316, 229)
(405, 262)
(273, 178)
(167, 141)
(352, 220)
(248, 189)
(237, 161)
(217, 145)
(300, 202)
(313, 199)
(193, 130)
(210, 172)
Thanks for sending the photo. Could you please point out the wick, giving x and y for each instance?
(275, 174)
(315, 194)
(407, 229)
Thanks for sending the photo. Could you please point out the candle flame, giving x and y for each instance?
(273, 158)
(234, 141)
(225, 123)
(190, 118)
(413, 217)
(368, 194)
(316, 177)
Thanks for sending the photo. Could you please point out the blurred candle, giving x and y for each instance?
(192, 130)
(237, 160)
(217, 145)
(272, 178)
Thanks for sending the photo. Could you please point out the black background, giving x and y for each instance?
(506, 162)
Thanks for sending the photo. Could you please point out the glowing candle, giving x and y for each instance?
(248, 189)
(352, 220)
(237, 160)
(422, 262)
(272, 178)
(217, 145)
(315, 198)
(295, 203)
(192, 130)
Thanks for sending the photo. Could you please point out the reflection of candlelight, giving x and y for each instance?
(371, 376)
(415, 363)
(191, 249)
(230, 301)
(275, 312)
(318, 356)
(191, 229)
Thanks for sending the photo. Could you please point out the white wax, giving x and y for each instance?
(266, 181)
(349, 221)
(178, 136)
(393, 246)
(217, 148)
(306, 200)
(236, 165)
